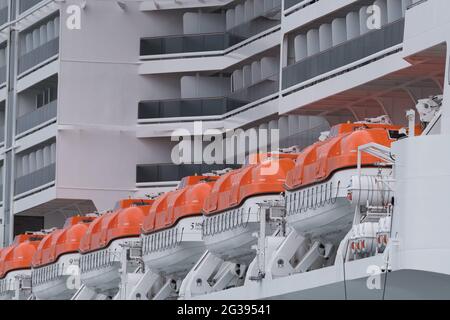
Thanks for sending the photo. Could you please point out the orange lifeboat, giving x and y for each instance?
(171, 233)
(317, 188)
(232, 209)
(58, 251)
(101, 246)
(124, 222)
(16, 260)
(19, 255)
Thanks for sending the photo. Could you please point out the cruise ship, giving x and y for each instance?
(224, 150)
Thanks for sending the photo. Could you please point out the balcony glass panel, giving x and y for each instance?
(172, 172)
(27, 4)
(39, 55)
(36, 117)
(4, 15)
(344, 54)
(35, 179)
(187, 107)
(187, 43)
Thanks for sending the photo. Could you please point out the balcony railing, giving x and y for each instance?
(4, 15)
(1, 192)
(36, 117)
(187, 107)
(344, 54)
(39, 55)
(188, 43)
(35, 179)
(171, 172)
(27, 4)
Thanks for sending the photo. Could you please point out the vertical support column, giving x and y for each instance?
(7, 221)
(325, 37)
(300, 47)
(352, 25)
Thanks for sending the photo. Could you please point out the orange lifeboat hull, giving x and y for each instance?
(172, 232)
(232, 214)
(317, 204)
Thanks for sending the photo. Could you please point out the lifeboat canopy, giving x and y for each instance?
(186, 201)
(319, 161)
(265, 174)
(62, 241)
(19, 255)
(123, 222)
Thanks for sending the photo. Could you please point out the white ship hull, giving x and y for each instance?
(328, 283)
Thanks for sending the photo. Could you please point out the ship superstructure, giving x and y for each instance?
(352, 203)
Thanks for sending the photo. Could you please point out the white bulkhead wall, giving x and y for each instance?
(99, 90)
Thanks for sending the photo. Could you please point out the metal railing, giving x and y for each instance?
(36, 117)
(344, 54)
(172, 172)
(4, 12)
(35, 179)
(187, 43)
(187, 107)
(24, 5)
(39, 55)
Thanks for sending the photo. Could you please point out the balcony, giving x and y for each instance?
(341, 55)
(4, 13)
(206, 42)
(178, 108)
(35, 179)
(24, 5)
(154, 173)
(37, 117)
(39, 55)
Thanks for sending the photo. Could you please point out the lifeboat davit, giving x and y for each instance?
(317, 188)
(172, 232)
(57, 258)
(231, 211)
(15, 265)
(101, 246)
